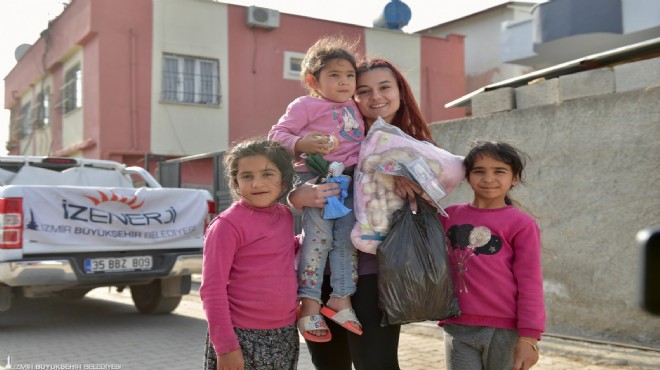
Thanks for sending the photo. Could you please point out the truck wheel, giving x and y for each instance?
(149, 299)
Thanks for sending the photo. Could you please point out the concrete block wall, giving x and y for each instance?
(499, 100)
(638, 75)
(592, 184)
(588, 83)
(621, 78)
(537, 94)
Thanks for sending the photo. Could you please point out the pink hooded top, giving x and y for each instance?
(248, 277)
(307, 114)
(495, 256)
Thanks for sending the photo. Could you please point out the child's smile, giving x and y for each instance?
(490, 179)
(259, 181)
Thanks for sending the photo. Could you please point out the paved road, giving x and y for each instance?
(104, 331)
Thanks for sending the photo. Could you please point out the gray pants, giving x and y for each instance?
(479, 347)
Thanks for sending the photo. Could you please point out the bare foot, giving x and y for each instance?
(337, 304)
(310, 307)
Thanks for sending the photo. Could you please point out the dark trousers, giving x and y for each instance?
(375, 349)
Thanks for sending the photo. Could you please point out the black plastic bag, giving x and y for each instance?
(414, 276)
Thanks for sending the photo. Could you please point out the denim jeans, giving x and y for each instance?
(324, 240)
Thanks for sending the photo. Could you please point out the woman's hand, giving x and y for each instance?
(314, 142)
(231, 360)
(406, 189)
(312, 195)
(525, 354)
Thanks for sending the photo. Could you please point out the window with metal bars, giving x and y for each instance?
(190, 80)
(42, 108)
(25, 121)
(72, 90)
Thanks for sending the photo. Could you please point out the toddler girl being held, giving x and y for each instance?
(326, 123)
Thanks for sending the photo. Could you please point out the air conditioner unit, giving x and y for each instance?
(263, 17)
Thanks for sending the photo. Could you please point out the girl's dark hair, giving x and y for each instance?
(324, 50)
(501, 151)
(275, 153)
(409, 117)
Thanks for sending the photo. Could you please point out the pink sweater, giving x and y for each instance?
(248, 276)
(307, 114)
(495, 256)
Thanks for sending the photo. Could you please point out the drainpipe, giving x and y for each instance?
(133, 90)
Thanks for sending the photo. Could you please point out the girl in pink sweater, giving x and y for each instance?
(495, 254)
(249, 280)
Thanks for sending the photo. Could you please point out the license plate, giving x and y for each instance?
(117, 264)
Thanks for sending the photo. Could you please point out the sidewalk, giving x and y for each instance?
(421, 347)
(105, 328)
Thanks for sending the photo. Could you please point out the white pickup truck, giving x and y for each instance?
(69, 225)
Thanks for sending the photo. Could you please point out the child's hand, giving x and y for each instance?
(231, 360)
(315, 142)
(525, 355)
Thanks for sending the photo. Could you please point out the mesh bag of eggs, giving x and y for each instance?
(387, 152)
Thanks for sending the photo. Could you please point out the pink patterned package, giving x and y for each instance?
(386, 152)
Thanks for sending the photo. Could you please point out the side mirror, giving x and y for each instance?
(649, 241)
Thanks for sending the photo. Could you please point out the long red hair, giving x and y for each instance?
(408, 117)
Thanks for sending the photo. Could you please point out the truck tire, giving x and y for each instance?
(149, 299)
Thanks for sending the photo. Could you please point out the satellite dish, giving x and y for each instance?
(20, 51)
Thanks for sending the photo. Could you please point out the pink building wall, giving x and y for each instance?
(443, 77)
(44, 57)
(115, 37)
(123, 66)
(259, 94)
